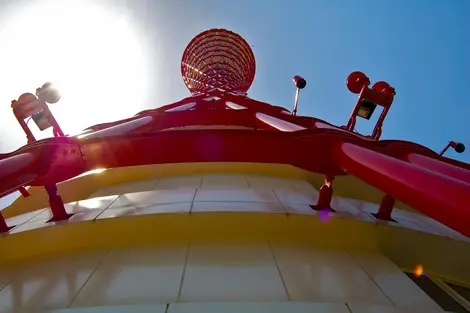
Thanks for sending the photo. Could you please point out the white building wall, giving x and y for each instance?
(300, 277)
(197, 277)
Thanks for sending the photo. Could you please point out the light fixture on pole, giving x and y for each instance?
(300, 83)
(457, 146)
(381, 94)
(30, 106)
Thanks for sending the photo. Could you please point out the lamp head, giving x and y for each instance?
(356, 81)
(299, 82)
(386, 90)
(457, 146)
(366, 109)
(48, 93)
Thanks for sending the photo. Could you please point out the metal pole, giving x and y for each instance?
(296, 101)
(445, 149)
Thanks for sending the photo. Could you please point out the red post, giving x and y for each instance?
(325, 195)
(3, 225)
(24, 192)
(57, 205)
(385, 210)
(29, 135)
(441, 197)
(352, 119)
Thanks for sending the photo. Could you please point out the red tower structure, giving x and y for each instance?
(218, 59)
(218, 67)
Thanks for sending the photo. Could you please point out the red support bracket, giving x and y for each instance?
(4, 228)
(24, 192)
(57, 205)
(325, 195)
(385, 209)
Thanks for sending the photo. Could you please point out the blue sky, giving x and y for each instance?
(421, 47)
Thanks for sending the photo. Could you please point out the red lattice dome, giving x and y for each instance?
(218, 58)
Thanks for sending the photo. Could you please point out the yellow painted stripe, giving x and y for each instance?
(407, 248)
(82, 187)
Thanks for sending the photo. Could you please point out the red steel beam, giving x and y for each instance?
(441, 197)
(439, 167)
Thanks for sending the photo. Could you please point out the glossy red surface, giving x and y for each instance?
(438, 196)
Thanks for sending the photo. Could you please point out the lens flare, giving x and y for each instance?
(418, 270)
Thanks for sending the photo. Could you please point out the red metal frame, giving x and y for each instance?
(409, 172)
(57, 159)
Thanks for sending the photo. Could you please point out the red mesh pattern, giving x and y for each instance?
(218, 58)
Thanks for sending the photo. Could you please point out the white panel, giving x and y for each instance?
(368, 207)
(135, 186)
(248, 195)
(224, 181)
(41, 223)
(91, 207)
(407, 215)
(303, 185)
(183, 207)
(48, 284)
(118, 309)
(297, 197)
(410, 220)
(7, 200)
(238, 207)
(344, 209)
(258, 307)
(325, 276)
(23, 218)
(231, 273)
(266, 182)
(406, 224)
(363, 308)
(32, 226)
(151, 274)
(401, 290)
(151, 198)
(444, 230)
(293, 208)
(189, 181)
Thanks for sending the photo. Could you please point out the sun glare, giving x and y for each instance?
(92, 172)
(91, 53)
